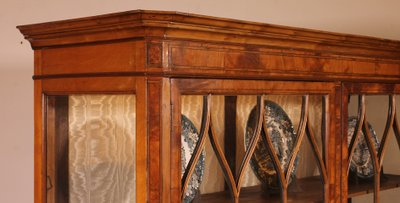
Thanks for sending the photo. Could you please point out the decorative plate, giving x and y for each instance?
(361, 162)
(280, 129)
(189, 138)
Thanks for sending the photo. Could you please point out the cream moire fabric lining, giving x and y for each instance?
(102, 148)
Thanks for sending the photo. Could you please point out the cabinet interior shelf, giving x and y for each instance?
(305, 190)
(388, 181)
(298, 191)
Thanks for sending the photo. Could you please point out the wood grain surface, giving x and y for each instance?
(145, 51)
(102, 148)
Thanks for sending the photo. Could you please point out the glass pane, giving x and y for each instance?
(207, 176)
(361, 170)
(94, 137)
(234, 120)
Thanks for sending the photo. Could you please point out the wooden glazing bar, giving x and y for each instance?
(324, 127)
(389, 124)
(230, 132)
(300, 134)
(205, 124)
(229, 178)
(253, 142)
(396, 129)
(374, 157)
(316, 152)
(277, 164)
(358, 129)
(284, 176)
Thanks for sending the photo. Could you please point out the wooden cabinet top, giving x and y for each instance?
(187, 45)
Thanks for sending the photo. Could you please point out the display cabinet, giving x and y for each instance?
(153, 106)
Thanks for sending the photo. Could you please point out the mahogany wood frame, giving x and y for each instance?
(54, 91)
(160, 55)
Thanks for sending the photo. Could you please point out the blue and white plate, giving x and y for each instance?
(280, 129)
(189, 138)
(361, 162)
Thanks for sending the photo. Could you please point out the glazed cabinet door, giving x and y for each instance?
(254, 141)
(93, 142)
(371, 141)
